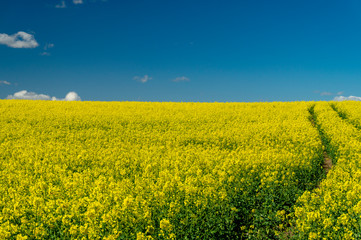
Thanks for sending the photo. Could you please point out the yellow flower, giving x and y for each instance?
(165, 224)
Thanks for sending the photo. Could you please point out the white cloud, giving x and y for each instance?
(78, 1)
(181, 79)
(18, 40)
(71, 96)
(29, 96)
(61, 5)
(339, 93)
(350, 98)
(144, 79)
(5, 82)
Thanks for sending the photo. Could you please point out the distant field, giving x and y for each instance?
(136, 170)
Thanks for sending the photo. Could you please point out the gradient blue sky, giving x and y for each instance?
(225, 51)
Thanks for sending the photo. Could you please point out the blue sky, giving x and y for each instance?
(200, 51)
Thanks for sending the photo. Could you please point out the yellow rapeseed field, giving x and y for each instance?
(138, 170)
(333, 211)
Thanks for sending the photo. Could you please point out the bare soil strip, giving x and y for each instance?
(327, 163)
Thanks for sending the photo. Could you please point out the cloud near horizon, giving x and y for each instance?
(25, 95)
(328, 93)
(349, 98)
(339, 93)
(18, 40)
(71, 96)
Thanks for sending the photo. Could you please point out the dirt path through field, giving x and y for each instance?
(327, 161)
(327, 164)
